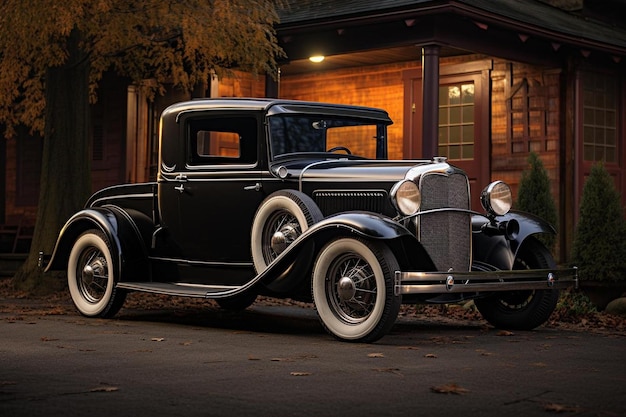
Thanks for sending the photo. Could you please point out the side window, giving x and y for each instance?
(218, 144)
(222, 141)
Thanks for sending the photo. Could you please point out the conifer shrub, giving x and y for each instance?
(534, 196)
(599, 247)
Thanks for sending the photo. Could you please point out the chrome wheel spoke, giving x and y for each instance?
(360, 301)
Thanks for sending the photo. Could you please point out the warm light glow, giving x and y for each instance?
(316, 58)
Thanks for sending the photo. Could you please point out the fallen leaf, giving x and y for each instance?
(451, 388)
(390, 370)
(253, 358)
(104, 389)
(375, 355)
(560, 408)
(48, 339)
(157, 339)
(505, 333)
(430, 355)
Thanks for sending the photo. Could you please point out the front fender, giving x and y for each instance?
(408, 251)
(366, 224)
(498, 250)
(529, 224)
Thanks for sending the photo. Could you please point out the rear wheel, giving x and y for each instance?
(91, 276)
(353, 289)
(522, 310)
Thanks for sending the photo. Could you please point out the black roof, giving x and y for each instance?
(531, 16)
(273, 106)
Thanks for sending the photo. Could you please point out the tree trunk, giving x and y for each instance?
(66, 163)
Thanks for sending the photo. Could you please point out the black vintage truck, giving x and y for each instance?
(298, 200)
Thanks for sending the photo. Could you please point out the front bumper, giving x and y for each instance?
(484, 281)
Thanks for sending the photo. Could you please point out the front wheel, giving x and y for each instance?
(280, 220)
(522, 310)
(91, 276)
(353, 289)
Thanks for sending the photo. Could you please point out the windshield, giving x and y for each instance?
(291, 134)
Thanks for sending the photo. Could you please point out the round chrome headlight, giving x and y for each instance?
(406, 197)
(497, 198)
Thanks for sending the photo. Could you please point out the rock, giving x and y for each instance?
(617, 307)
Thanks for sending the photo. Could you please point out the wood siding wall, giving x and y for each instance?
(377, 86)
(539, 126)
(382, 86)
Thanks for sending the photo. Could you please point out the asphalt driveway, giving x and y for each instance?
(277, 361)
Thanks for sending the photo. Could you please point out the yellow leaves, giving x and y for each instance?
(169, 42)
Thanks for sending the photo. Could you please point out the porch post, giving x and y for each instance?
(3, 173)
(272, 85)
(430, 100)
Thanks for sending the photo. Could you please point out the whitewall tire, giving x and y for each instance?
(91, 276)
(353, 289)
(280, 219)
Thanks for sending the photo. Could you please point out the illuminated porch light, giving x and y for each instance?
(316, 58)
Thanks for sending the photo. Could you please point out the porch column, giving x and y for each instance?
(3, 172)
(272, 85)
(430, 100)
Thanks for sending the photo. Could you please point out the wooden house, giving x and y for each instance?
(482, 82)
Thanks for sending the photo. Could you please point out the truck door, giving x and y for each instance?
(208, 203)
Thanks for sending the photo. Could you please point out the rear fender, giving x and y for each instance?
(126, 231)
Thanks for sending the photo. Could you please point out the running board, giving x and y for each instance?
(182, 290)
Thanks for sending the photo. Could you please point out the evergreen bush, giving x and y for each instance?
(599, 247)
(534, 196)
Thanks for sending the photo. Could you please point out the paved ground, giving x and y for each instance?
(277, 361)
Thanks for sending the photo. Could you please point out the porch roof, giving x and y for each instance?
(530, 17)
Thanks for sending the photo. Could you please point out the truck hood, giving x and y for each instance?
(356, 170)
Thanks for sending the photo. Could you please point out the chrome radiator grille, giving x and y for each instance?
(446, 235)
(337, 201)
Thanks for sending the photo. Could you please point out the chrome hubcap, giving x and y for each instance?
(283, 238)
(346, 289)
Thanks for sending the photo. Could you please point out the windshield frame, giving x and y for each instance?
(308, 134)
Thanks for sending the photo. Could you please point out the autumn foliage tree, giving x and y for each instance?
(53, 55)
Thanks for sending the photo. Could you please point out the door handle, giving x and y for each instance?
(181, 178)
(255, 187)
